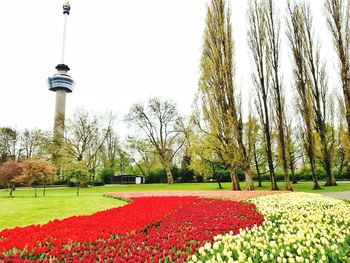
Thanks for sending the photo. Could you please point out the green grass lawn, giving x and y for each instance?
(61, 202)
(99, 190)
(21, 211)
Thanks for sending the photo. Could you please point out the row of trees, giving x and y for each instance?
(31, 172)
(219, 112)
(216, 136)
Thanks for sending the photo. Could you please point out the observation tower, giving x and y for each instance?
(61, 83)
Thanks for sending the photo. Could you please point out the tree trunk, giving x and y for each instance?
(259, 180)
(219, 183)
(78, 187)
(214, 174)
(286, 176)
(245, 162)
(346, 92)
(139, 166)
(44, 192)
(314, 177)
(327, 166)
(234, 179)
(292, 169)
(169, 174)
(274, 186)
(311, 147)
(341, 165)
(271, 170)
(327, 159)
(310, 151)
(10, 187)
(285, 168)
(248, 176)
(257, 168)
(284, 154)
(35, 193)
(312, 167)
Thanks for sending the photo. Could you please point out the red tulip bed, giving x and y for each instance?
(149, 229)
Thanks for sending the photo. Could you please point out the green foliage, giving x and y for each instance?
(160, 124)
(186, 174)
(156, 176)
(8, 138)
(96, 183)
(304, 174)
(36, 172)
(106, 175)
(76, 173)
(179, 174)
(94, 191)
(8, 172)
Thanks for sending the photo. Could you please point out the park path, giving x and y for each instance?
(338, 195)
(222, 194)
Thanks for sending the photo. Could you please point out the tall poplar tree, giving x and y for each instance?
(338, 18)
(321, 104)
(297, 40)
(258, 44)
(272, 28)
(221, 110)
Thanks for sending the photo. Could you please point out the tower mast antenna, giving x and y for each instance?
(61, 83)
(66, 11)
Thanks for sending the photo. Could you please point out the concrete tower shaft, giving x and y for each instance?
(60, 113)
(61, 83)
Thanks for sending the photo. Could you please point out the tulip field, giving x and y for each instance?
(287, 227)
(298, 227)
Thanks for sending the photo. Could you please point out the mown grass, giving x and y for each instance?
(99, 190)
(25, 210)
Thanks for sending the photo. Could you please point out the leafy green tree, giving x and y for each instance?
(34, 144)
(110, 150)
(186, 173)
(338, 19)
(221, 112)
(9, 144)
(142, 154)
(77, 172)
(259, 40)
(160, 125)
(296, 35)
(37, 172)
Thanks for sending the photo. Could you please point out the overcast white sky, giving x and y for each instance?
(119, 52)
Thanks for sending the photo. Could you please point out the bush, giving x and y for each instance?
(221, 175)
(70, 184)
(106, 175)
(179, 175)
(96, 183)
(344, 175)
(157, 176)
(199, 178)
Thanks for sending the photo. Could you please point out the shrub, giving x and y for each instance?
(106, 175)
(96, 183)
(157, 176)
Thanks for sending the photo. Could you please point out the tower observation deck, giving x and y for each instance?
(61, 83)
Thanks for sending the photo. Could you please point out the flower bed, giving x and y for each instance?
(150, 229)
(298, 227)
(121, 220)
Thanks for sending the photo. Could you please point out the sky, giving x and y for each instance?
(119, 52)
